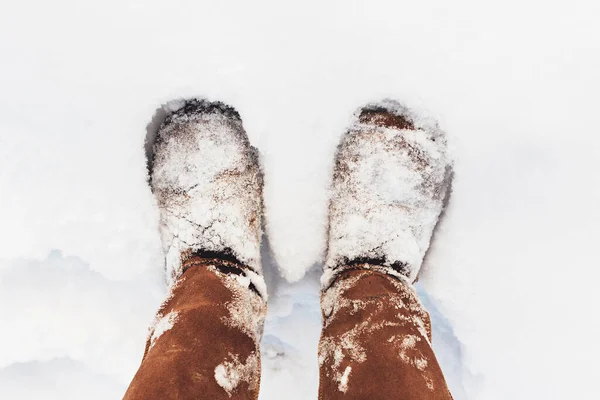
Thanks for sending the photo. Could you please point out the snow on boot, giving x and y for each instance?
(207, 180)
(391, 177)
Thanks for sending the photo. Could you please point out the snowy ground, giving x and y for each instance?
(511, 278)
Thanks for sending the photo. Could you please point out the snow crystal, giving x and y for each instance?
(332, 300)
(421, 363)
(343, 386)
(162, 325)
(429, 383)
(228, 378)
(231, 372)
(247, 309)
(407, 346)
(409, 341)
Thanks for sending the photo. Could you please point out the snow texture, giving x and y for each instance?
(208, 184)
(343, 387)
(163, 324)
(348, 348)
(510, 278)
(246, 309)
(392, 176)
(231, 372)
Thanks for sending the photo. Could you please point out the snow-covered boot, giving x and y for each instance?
(391, 179)
(205, 341)
(392, 175)
(208, 183)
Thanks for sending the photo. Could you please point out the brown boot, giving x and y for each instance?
(392, 175)
(208, 185)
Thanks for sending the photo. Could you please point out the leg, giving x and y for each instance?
(390, 182)
(205, 339)
(208, 185)
(376, 341)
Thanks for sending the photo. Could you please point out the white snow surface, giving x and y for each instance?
(512, 272)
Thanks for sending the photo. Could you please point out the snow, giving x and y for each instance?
(343, 387)
(201, 149)
(350, 347)
(388, 191)
(511, 275)
(229, 374)
(162, 325)
(246, 309)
